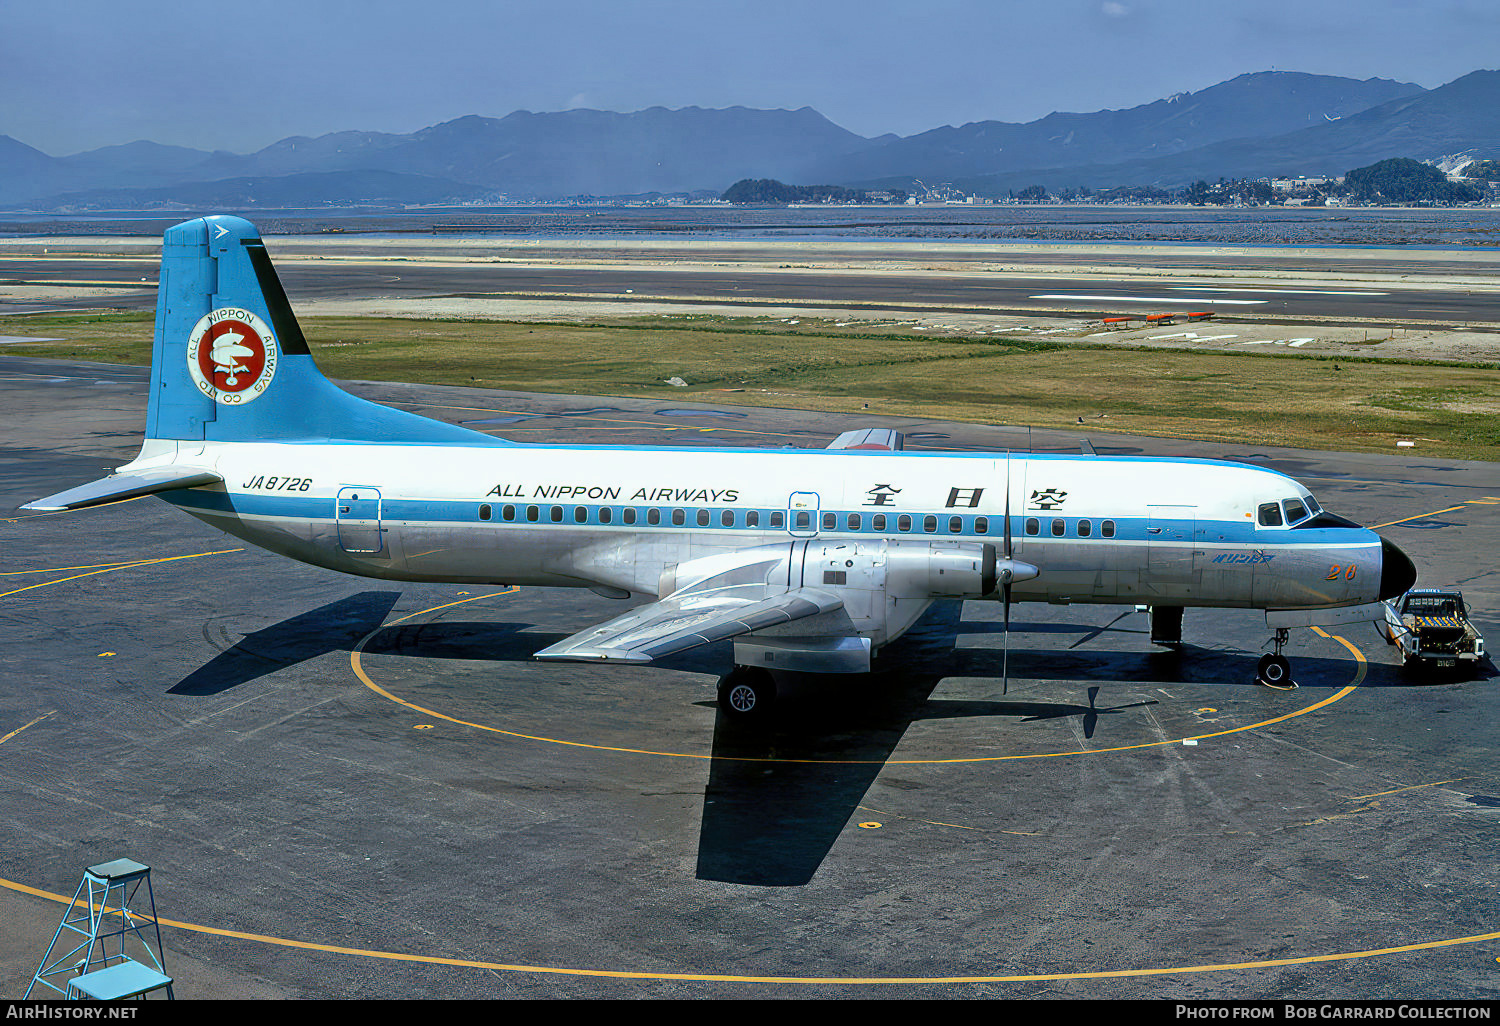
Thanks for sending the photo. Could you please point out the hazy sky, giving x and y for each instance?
(76, 74)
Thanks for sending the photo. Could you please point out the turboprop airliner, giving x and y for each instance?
(811, 560)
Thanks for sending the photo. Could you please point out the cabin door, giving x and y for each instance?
(358, 515)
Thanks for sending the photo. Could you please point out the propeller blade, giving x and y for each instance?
(1008, 573)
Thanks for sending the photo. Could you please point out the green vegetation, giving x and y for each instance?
(1484, 170)
(768, 190)
(1402, 180)
(1307, 400)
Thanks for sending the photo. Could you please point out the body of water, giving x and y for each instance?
(1463, 228)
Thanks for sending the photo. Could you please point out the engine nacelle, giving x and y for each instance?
(884, 585)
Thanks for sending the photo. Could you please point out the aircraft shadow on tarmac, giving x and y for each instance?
(334, 627)
(778, 797)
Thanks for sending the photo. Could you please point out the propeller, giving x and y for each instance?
(1006, 575)
(1008, 571)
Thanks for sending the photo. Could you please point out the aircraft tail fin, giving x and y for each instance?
(230, 362)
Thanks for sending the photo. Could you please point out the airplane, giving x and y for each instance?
(810, 560)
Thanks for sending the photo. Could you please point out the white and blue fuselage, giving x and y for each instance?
(812, 558)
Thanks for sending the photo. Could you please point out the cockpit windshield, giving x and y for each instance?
(1287, 512)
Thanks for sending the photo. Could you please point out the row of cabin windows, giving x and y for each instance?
(776, 520)
(1082, 528)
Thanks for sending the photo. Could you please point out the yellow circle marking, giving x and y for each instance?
(356, 662)
(620, 974)
(870, 826)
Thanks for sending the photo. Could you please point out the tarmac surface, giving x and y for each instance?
(352, 788)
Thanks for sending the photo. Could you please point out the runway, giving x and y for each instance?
(349, 788)
(1272, 288)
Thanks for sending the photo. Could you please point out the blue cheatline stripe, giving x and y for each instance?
(467, 511)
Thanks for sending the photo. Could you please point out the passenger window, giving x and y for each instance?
(507, 512)
(955, 525)
(929, 524)
(1270, 514)
(903, 522)
(628, 515)
(679, 517)
(854, 521)
(726, 518)
(1295, 511)
(532, 513)
(556, 514)
(606, 514)
(703, 518)
(752, 518)
(1033, 525)
(484, 511)
(653, 516)
(1107, 529)
(778, 519)
(1058, 527)
(1085, 528)
(830, 521)
(981, 525)
(580, 514)
(802, 521)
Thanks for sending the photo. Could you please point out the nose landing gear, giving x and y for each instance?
(1275, 671)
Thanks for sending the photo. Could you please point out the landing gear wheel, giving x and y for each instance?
(1275, 671)
(746, 694)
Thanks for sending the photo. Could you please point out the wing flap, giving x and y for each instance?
(671, 625)
(125, 486)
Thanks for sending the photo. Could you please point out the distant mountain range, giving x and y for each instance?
(1270, 123)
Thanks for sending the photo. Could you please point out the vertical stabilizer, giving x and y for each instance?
(230, 363)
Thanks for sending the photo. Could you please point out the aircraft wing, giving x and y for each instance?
(125, 486)
(873, 439)
(676, 623)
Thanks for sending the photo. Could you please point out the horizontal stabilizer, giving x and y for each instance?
(870, 439)
(125, 486)
(675, 624)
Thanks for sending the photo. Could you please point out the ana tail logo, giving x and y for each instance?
(231, 356)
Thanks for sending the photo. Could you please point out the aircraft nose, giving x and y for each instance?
(1397, 572)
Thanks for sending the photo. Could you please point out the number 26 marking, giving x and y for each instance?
(1335, 572)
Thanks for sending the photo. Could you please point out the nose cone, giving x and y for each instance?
(1397, 573)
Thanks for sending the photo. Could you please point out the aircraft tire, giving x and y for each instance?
(746, 694)
(1274, 671)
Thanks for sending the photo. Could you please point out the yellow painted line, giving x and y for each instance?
(1359, 674)
(33, 723)
(622, 974)
(60, 569)
(1403, 790)
(1424, 516)
(356, 662)
(121, 566)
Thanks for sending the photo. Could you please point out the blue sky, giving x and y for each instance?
(77, 74)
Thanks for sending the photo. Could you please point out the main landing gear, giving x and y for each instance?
(1275, 671)
(746, 694)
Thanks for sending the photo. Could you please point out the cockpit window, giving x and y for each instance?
(1295, 511)
(1270, 514)
(1312, 504)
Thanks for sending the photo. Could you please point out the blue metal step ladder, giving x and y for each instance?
(101, 974)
